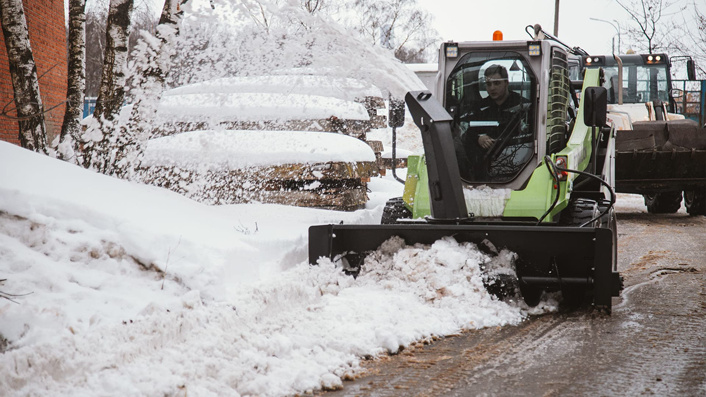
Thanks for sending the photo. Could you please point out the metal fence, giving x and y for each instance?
(690, 99)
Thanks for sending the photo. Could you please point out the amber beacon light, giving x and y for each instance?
(497, 35)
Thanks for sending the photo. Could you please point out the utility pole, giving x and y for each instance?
(556, 18)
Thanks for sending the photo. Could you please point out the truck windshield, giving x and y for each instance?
(489, 95)
(641, 83)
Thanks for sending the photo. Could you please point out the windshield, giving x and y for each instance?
(641, 83)
(489, 95)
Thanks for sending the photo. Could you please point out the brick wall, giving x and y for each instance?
(47, 35)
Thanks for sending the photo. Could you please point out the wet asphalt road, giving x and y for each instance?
(653, 343)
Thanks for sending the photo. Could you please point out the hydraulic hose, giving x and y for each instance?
(555, 175)
(554, 171)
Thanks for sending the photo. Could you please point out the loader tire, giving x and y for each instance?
(580, 212)
(695, 201)
(663, 203)
(395, 210)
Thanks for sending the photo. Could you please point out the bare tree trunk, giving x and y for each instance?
(30, 111)
(112, 91)
(71, 128)
(105, 148)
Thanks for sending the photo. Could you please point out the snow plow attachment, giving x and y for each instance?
(565, 239)
(578, 261)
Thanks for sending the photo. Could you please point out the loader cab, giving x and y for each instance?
(646, 77)
(513, 121)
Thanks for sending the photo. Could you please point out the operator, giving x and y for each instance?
(503, 106)
(499, 100)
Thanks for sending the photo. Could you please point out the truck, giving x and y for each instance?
(543, 189)
(661, 139)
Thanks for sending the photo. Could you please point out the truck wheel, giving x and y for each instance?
(663, 203)
(395, 210)
(695, 201)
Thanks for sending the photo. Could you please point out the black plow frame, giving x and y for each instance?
(549, 257)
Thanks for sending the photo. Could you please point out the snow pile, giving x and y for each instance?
(486, 201)
(231, 149)
(219, 107)
(284, 82)
(136, 290)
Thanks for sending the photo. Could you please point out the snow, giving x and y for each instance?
(285, 82)
(234, 149)
(131, 289)
(483, 201)
(257, 106)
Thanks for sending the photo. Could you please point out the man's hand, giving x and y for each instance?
(485, 142)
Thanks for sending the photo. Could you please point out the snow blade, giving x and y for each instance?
(574, 260)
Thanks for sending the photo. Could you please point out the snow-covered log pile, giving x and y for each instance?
(301, 168)
(281, 102)
(259, 117)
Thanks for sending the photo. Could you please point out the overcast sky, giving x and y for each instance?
(476, 20)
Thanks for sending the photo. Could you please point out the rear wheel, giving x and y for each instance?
(663, 203)
(395, 210)
(695, 201)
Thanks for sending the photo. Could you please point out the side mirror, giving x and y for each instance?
(395, 117)
(595, 106)
(690, 69)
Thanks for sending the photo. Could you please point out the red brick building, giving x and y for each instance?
(47, 35)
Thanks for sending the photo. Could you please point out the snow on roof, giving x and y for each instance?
(239, 148)
(257, 106)
(343, 88)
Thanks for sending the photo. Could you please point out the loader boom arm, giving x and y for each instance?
(445, 188)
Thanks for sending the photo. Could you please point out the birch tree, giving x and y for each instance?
(71, 127)
(23, 71)
(105, 149)
(152, 64)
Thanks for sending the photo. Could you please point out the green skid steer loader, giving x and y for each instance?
(542, 189)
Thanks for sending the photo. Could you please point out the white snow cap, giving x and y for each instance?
(233, 149)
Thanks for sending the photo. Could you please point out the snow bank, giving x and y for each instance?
(135, 290)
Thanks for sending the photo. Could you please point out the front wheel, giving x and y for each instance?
(695, 201)
(663, 203)
(395, 209)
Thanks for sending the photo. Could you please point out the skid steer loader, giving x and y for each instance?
(543, 190)
(659, 153)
